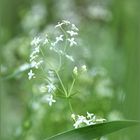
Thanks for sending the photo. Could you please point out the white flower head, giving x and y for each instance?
(53, 43)
(60, 38)
(31, 75)
(90, 115)
(74, 28)
(35, 64)
(59, 24)
(90, 119)
(33, 57)
(75, 71)
(36, 41)
(45, 41)
(51, 88)
(72, 41)
(79, 121)
(83, 68)
(24, 67)
(66, 22)
(73, 116)
(49, 99)
(36, 49)
(42, 88)
(72, 33)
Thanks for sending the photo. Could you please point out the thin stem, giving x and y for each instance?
(63, 87)
(70, 106)
(65, 47)
(73, 82)
(60, 62)
(46, 61)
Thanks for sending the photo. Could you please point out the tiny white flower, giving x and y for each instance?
(84, 68)
(46, 41)
(51, 88)
(66, 22)
(54, 49)
(89, 115)
(53, 44)
(36, 50)
(60, 38)
(49, 99)
(74, 28)
(72, 33)
(61, 52)
(73, 116)
(31, 75)
(36, 41)
(32, 57)
(87, 122)
(59, 24)
(24, 67)
(75, 71)
(79, 121)
(76, 124)
(81, 118)
(35, 64)
(72, 41)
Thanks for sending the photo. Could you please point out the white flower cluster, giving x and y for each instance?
(34, 56)
(80, 70)
(49, 89)
(67, 36)
(90, 119)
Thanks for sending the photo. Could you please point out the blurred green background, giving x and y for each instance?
(110, 46)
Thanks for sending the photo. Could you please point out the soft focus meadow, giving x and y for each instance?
(65, 64)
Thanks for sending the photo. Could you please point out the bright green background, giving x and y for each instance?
(113, 44)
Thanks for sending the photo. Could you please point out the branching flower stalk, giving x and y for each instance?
(65, 40)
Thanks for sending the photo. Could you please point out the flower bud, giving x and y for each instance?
(73, 116)
(83, 68)
(75, 71)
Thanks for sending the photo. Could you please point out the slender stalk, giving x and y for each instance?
(65, 47)
(63, 87)
(60, 62)
(73, 82)
(70, 106)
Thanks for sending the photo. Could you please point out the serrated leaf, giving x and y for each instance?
(94, 131)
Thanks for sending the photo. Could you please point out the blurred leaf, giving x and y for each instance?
(94, 131)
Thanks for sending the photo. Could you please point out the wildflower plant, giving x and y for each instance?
(52, 85)
(50, 58)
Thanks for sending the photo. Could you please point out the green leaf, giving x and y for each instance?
(94, 131)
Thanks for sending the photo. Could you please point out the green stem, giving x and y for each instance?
(70, 106)
(73, 82)
(66, 37)
(63, 87)
(60, 62)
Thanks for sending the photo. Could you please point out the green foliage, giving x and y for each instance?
(109, 46)
(94, 131)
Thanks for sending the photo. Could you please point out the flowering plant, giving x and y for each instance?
(61, 46)
(53, 87)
